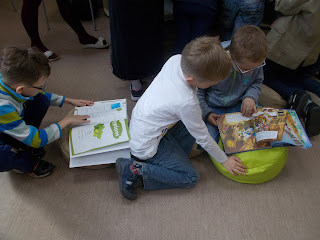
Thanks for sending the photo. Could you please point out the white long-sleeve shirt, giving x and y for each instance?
(167, 100)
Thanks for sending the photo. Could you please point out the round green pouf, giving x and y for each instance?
(263, 165)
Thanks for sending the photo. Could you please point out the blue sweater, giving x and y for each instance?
(231, 90)
(11, 118)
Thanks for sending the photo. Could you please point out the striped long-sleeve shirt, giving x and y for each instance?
(12, 123)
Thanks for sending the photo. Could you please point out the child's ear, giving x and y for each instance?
(20, 89)
(190, 79)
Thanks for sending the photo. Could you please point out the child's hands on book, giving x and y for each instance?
(212, 118)
(79, 102)
(234, 166)
(248, 107)
(73, 120)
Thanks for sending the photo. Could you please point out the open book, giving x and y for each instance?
(105, 138)
(267, 128)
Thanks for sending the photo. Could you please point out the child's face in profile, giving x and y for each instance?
(205, 84)
(33, 90)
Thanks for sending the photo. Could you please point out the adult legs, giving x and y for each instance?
(65, 8)
(250, 13)
(183, 25)
(29, 17)
(229, 10)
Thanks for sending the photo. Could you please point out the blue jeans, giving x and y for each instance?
(170, 167)
(286, 81)
(192, 21)
(24, 161)
(236, 13)
(213, 130)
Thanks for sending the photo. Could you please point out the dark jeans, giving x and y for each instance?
(236, 13)
(286, 81)
(24, 161)
(192, 21)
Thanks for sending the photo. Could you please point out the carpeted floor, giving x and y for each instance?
(86, 204)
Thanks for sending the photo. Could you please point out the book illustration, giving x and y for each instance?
(239, 136)
(98, 130)
(269, 124)
(267, 128)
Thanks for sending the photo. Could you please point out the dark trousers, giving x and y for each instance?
(286, 81)
(29, 16)
(192, 21)
(25, 160)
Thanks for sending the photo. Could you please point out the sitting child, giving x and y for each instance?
(23, 105)
(167, 120)
(241, 89)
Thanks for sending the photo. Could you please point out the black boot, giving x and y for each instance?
(299, 102)
(312, 119)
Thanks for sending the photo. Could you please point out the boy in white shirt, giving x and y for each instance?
(167, 120)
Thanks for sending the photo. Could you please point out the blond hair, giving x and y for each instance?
(249, 42)
(19, 65)
(205, 60)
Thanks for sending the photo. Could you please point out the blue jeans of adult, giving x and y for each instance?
(192, 21)
(236, 13)
(286, 81)
(213, 130)
(24, 161)
(170, 167)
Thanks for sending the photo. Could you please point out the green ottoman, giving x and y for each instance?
(263, 165)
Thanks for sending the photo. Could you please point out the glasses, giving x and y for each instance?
(42, 88)
(263, 64)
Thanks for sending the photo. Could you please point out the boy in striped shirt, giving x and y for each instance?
(23, 105)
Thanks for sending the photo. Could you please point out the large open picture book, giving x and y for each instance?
(267, 128)
(105, 138)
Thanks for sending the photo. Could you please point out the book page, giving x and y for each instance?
(237, 133)
(294, 134)
(95, 136)
(104, 111)
(269, 124)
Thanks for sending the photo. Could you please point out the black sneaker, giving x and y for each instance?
(312, 119)
(38, 153)
(127, 180)
(42, 169)
(299, 102)
(135, 95)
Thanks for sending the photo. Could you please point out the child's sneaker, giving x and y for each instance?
(135, 95)
(42, 169)
(127, 180)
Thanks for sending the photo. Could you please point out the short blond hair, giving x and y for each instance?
(249, 42)
(205, 60)
(20, 65)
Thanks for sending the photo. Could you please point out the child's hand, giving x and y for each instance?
(73, 120)
(212, 119)
(79, 102)
(234, 166)
(248, 107)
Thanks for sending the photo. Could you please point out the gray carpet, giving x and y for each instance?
(86, 204)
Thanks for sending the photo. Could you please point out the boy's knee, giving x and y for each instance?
(194, 179)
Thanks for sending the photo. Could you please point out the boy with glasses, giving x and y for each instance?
(240, 91)
(23, 105)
